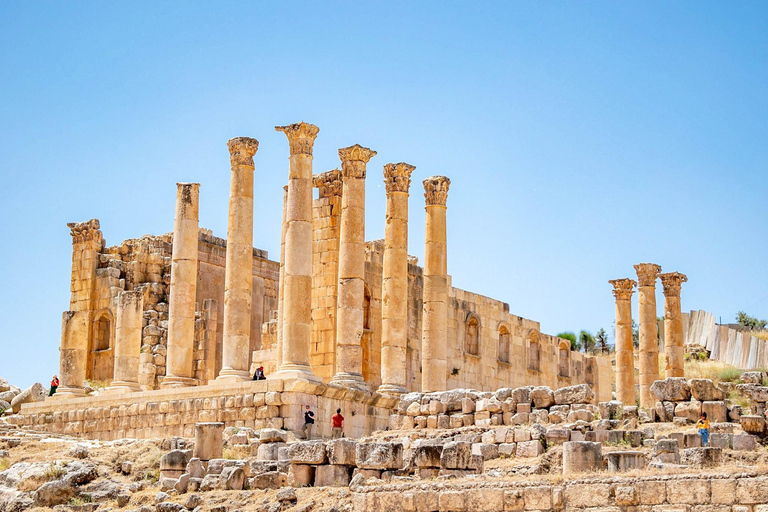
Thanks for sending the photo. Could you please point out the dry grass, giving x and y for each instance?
(710, 369)
(763, 335)
(237, 453)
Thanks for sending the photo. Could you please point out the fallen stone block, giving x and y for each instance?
(705, 457)
(672, 389)
(704, 390)
(301, 475)
(721, 440)
(619, 462)
(456, 455)
(273, 435)
(486, 451)
(689, 410)
(542, 397)
(307, 452)
(717, 412)
(268, 480)
(427, 455)
(744, 443)
(529, 449)
(753, 424)
(507, 449)
(269, 451)
(34, 393)
(612, 410)
(558, 436)
(174, 463)
(666, 451)
(752, 378)
(578, 394)
(379, 455)
(333, 475)
(341, 451)
(580, 456)
(692, 440)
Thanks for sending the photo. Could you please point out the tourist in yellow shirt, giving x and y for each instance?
(703, 426)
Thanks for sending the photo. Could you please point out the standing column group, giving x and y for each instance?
(239, 263)
(297, 269)
(181, 310)
(394, 296)
(349, 328)
(625, 359)
(673, 323)
(435, 319)
(649, 336)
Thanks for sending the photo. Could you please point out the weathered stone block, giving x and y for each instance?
(379, 455)
(542, 397)
(529, 448)
(578, 394)
(582, 456)
(744, 442)
(486, 451)
(332, 476)
(301, 475)
(341, 451)
(717, 412)
(705, 457)
(704, 390)
(307, 452)
(427, 456)
(456, 455)
(625, 461)
(689, 410)
(688, 492)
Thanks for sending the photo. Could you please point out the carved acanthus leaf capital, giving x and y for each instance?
(329, 183)
(672, 282)
(301, 137)
(436, 190)
(85, 231)
(623, 288)
(241, 150)
(647, 273)
(353, 160)
(397, 177)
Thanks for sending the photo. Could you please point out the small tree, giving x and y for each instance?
(750, 322)
(586, 340)
(635, 334)
(601, 340)
(570, 336)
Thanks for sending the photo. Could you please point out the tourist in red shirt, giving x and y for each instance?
(338, 425)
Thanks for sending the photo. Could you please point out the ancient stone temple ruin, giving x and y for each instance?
(175, 324)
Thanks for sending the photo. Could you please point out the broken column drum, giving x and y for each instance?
(649, 339)
(239, 262)
(297, 269)
(625, 360)
(128, 323)
(394, 317)
(349, 327)
(181, 309)
(435, 318)
(673, 323)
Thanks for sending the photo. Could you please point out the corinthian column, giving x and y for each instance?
(297, 270)
(673, 323)
(435, 321)
(625, 358)
(394, 308)
(181, 310)
(649, 336)
(128, 323)
(239, 267)
(349, 329)
(281, 286)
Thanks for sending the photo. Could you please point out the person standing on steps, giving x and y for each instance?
(338, 425)
(309, 422)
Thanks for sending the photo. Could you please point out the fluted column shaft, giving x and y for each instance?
(673, 324)
(435, 319)
(181, 310)
(349, 329)
(297, 269)
(128, 324)
(238, 274)
(625, 358)
(649, 340)
(281, 286)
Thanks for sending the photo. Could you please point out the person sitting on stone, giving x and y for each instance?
(259, 374)
(54, 385)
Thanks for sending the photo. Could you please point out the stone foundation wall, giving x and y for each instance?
(173, 412)
(744, 492)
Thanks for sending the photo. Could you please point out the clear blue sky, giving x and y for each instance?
(580, 137)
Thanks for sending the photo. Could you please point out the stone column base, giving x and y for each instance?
(119, 387)
(230, 374)
(177, 382)
(62, 393)
(350, 380)
(294, 371)
(391, 390)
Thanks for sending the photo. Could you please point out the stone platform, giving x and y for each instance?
(162, 413)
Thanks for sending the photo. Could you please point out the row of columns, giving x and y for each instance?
(647, 273)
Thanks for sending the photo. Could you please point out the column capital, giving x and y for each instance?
(647, 273)
(301, 137)
(353, 160)
(436, 190)
(672, 282)
(623, 288)
(329, 183)
(241, 150)
(397, 177)
(85, 231)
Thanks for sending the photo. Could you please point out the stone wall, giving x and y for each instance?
(172, 412)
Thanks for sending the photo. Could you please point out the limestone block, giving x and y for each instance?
(529, 448)
(626, 496)
(341, 451)
(420, 421)
(468, 419)
(456, 421)
(744, 442)
(542, 397)
(557, 436)
(490, 404)
(443, 421)
(521, 435)
(272, 435)
(717, 412)
(754, 392)
(625, 461)
(234, 478)
(633, 438)
(542, 416)
(523, 408)
(672, 389)
(556, 417)
(174, 463)
(578, 394)
(688, 492)
(427, 455)
(486, 451)
(379, 455)
(612, 410)
(268, 480)
(587, 495)
(456, 455)
(705, 457)
(301, 475)
(307, 452)
(507, 449)
(451, 501)
(721, 440)
(432, 421)
(484, 499)
(582, 456)
(414, 409)
(436, 407)
(723, 491)
(467, 406)
(689, 410)
(580, 415)
(34, 393)
(704, 390)
(753, 424)
(208, 440)
(752, 378)
(665, 411)
(332, 476)
(520, 418)
(210, 482)
(269, 451)
(692, 440)
(522, 395)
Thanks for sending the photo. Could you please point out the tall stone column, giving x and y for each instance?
(297, 270)
(281, 286)
(181, 309)
(673, 323)
(239, 264)
(394, 308)
(649, 335)
(435, 320)
(128, 323)
(625, 357)
(73, 354)
(349, 327)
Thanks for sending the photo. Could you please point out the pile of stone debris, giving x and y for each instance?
(15, 396)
